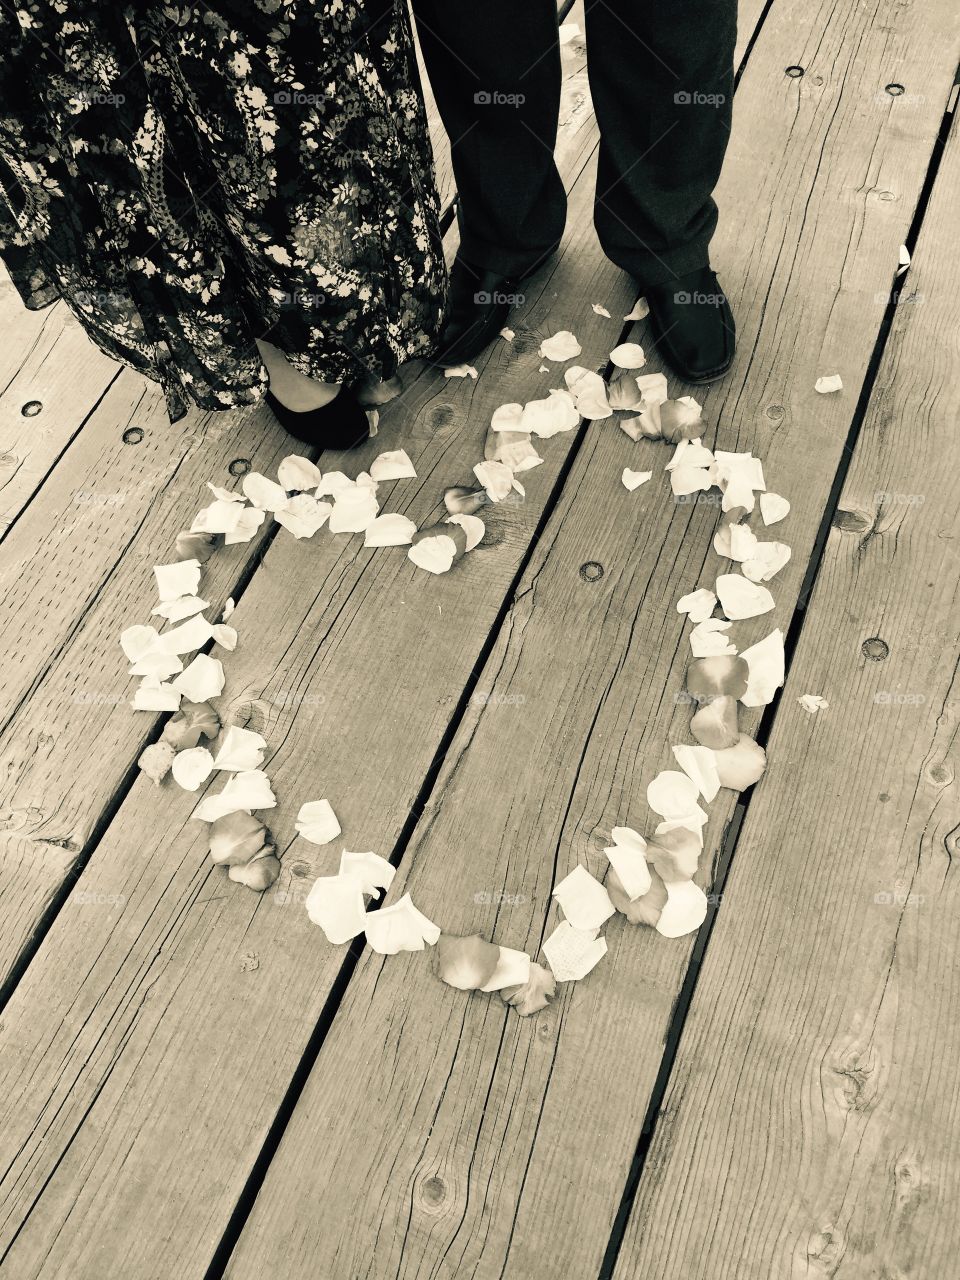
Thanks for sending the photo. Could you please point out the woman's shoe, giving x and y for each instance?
(340, 424)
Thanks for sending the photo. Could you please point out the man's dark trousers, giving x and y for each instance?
(661, 78)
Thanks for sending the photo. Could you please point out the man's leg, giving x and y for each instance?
(495, 73)
(661, 76)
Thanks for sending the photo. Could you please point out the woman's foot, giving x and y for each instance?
(325, 415)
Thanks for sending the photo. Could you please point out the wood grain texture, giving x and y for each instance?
(352, 663)
(438, 1135)
(75, 571)
(46, 359)
(809, 1126)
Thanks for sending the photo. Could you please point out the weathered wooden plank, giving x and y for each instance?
(438, 1134)
(50, 369)
(75, 571)
(352, 663)
(809, 1125)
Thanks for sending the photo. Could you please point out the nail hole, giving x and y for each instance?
(894, 89)
(239, 466)
(875, 649)
(591, 571)
(31, 408)
(887, 196)
(794, 72)
(133, 435)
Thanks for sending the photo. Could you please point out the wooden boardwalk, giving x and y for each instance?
(196, 1085)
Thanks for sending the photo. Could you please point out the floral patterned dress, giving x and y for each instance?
(191, 177)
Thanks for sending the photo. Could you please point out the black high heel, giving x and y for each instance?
(340, 424)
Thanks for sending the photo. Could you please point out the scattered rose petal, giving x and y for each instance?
(304, 515)
(191, 768)
(298, 473)
(679, 418)
(715, 724)
(393, 465)
(201, 680)
(700, 767)
(640, 310)
(698, 605)
(225, 637)
(741, 598)
(465, 962)
(562, 346)
(371, 872)
(589, 392)
(675, 852)
(250, 790)
(157, 665)
(190, 635)
(629, 355)
(773, 507)
(622, 391)
(333, 484)
(496, 479)
(317, 822)
(534, 994)
(435, 553)
(391, 530)
(690, 453)
(684, 911)
(236, 838)
(633, 479)
(508, 335)
(672, 794)
(765, 660)
(707, 678)
(193, 721)
(259, 873)
(571, 953)
(653, 388)
(813, 702)
(643, 910)
(585, 902)
(512, 970)
(400, 928)
(741, 765)
(829, 382)
(353, 510)
(463, 501)
(736, 542)
(766, 562)
(600, 311)
(240, 749)
(707, 639)
(263, 492)
(196, 546)
(631, 427)
(628, 857)
(555, 413)
(461, 371)
(336, 904)
(246, 527)
(178, 579)
(157, 697)
(155, 761)
(686, 480)
(177, 610)
(472, 526)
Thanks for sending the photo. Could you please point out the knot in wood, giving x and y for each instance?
(133, 435)
(591, 571)
(875, 649)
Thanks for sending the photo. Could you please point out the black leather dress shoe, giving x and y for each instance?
(477, 309)
(693, 325)
(342, 423)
